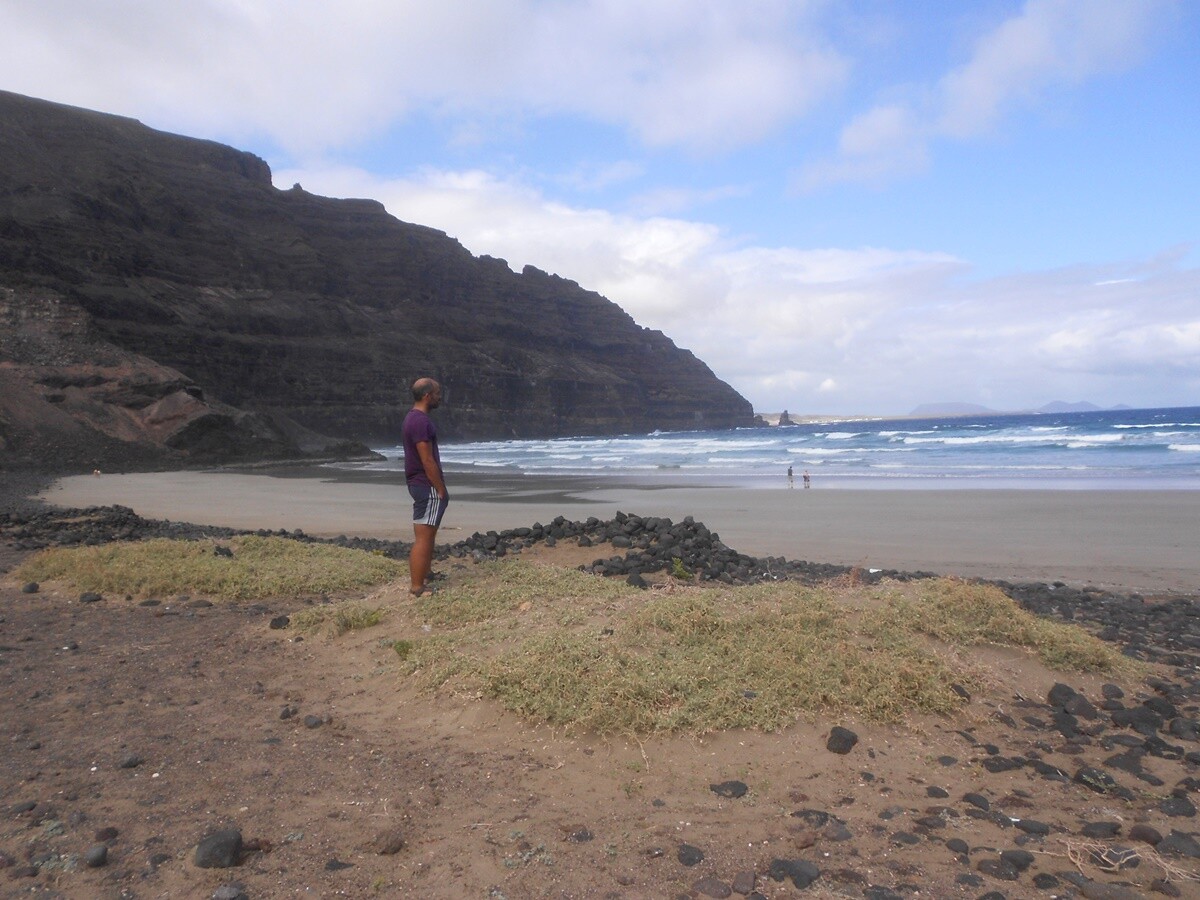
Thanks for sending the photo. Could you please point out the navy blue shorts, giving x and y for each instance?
(428, 507)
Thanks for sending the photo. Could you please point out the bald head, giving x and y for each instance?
(427, 393)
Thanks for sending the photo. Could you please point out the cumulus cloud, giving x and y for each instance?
(312, 75)
(827, 330)
(1048, 44)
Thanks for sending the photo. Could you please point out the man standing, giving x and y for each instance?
(423, 472)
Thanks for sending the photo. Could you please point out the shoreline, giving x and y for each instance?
(1131, 540)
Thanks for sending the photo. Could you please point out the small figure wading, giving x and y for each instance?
(426, 484)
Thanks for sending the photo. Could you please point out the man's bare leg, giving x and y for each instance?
(420, 558)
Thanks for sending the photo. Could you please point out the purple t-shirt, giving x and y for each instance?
(418, 427)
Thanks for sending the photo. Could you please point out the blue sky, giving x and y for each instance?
(842, 207)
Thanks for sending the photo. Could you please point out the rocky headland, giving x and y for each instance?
(162, 302)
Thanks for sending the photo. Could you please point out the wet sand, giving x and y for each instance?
(1147, 541)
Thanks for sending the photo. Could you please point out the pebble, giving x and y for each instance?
(95, 856)
(712, 886)
(689, 855)
(841, 740)
(219, 850)
(730, 789)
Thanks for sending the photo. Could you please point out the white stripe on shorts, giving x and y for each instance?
(432, 508)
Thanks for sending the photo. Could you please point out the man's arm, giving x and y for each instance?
(429, 464)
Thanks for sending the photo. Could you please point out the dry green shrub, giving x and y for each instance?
(501, 586)
(259, 567)
(696, 660)
(969, 613)
(336, 619)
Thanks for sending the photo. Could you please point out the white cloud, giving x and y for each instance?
(1048, 44)
(312, 75)
(832, 330)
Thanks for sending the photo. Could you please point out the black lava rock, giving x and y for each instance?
(219, 850)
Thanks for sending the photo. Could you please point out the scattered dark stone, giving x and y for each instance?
(311, 721)
(1179, 844)
(947, 760)
(130, 761)
(959, 846)
(280, 622)
(997, 764)
(1145, 833)
(1141, 719)
(1045, 881)
(905, 838)
(31, 588)
(711, 886)
(637, 581)
(336, 865)
(998, 868)
(1018, 859)
(1097, 780)
(288, 712)
(106, 834)
(1060, 694)
(936, 792)
(731, 789)
(1032, 826)
(878, 892)
(802, 872)
(582, 836)
(743, 883)
(841, 740)
(1178, 807)
(968, 879)
(689, 855)
(95, 856)
(219, 850)
(1111, 692)
(235, 890)
(978, 800)
(23, 807)
(1100, 830)
(90, 597)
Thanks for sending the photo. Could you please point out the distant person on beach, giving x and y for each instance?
(426, 484)
(806, 479)
(790, 484)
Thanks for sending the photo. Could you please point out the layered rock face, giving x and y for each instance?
(181, 253)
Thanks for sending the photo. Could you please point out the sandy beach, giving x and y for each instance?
(1147, 541)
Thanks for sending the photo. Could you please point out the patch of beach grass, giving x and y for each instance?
(969, 613)
(259, 567)
(335, 619)
(592, 654)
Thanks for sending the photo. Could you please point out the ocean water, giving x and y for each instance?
(1142, 448)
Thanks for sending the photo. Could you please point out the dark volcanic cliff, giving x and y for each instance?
(180, 252)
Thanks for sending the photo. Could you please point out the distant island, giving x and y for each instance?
(945, 409)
